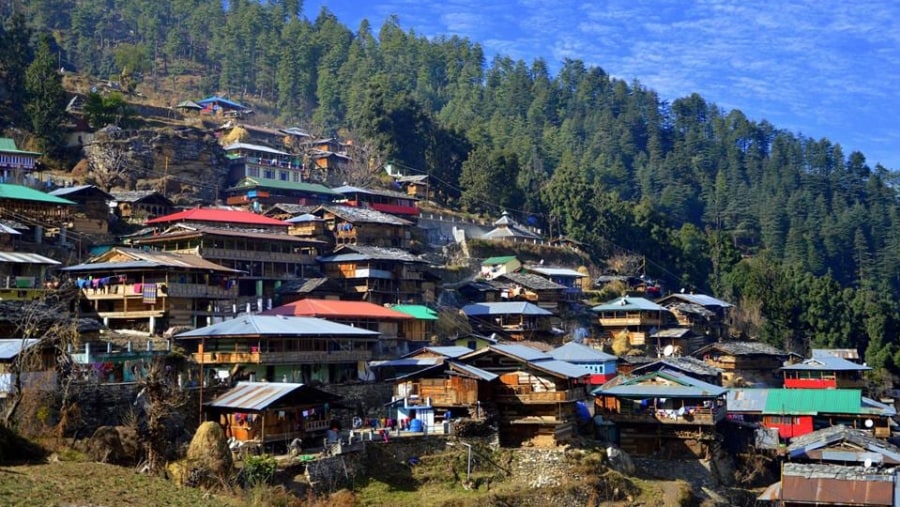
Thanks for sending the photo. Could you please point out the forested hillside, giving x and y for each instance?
(803, 237)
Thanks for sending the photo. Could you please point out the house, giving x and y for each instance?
(350, 225)
(507, 229)
(216, 106)
(493, 267)
(704, 314)
(91, 214)
(263, 164)
(843, 445)
(107, 359)
(386, 201)
(309, 226)
(417, 360)
(38, 368)
(633, 317)
(474, 341)
(282, 348)
(570, 279)
(687, 365)
(256, 245)
(677, 341)
(479, 292)
(796, 412)
(662, 411)
(138, 206)
(23, 275)
(825, 372)
(324, 164)
(516, 320)
(272, 412)
(359, 314)
(303, 288)
(415, 185)
(848, 354)
(601, 365)
(420, 329)
(257, 193)
(523, 286)
(287, 210)
(16, 166)
(535, 395)
(745, 363)
(126, 286)
(46, 214)
(380, 275)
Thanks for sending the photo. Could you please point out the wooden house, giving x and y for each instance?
(23, 275)
(308, 225)
(16, 166)
(662, 411)
(46, 214)
(635, 317)
(745, 363)
(220, 106)
(258, 193)
(416, 185)
(359, 314)
(421, 328)
(268, 413)
(536, 289)
(535, 395)
(380, 275)
(479, 292)
(796, 412)
(324, 165)
(138, 206)
(603, 366)
(286, 210)
(686, 365)
(35, 360)
(125, 286)
(303, 288)
(706, 315)
(92, 212)
(825, 372)
(571, 280)
(677, 341)
(493, 267)
(515, 320)
(386, 201)
(283, 348)
(805, 484)
(419, 359)
(351, 225)
(851, 355)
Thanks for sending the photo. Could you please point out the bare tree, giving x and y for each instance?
(160, 398)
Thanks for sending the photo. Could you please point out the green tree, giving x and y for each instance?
(46, 99)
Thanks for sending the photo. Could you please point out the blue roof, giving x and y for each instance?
(561, 368)
(826, 363)
(746, 400)
(678, 386)
(219, 100)
(578, 353)
(523, 352)
(629, 303)
(504, 308)
(473, 371)
(276, 325)
(452, 351)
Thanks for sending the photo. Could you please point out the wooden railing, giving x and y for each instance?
(256, 255)
(630, 321)
(194, 290)
(524, 394)
(704, 416)
(309, 357)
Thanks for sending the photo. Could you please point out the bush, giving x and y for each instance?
(259, 469)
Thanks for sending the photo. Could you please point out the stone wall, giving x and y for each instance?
(360, 400)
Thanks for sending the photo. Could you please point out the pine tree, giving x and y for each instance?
(46, 99)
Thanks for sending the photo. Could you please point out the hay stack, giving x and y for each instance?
(236, 135)
(208, 460)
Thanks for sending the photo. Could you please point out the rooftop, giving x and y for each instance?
(629, 303)
(327, 308)
(22, 193)
(222, 216)
(505, 308)
(250, 326)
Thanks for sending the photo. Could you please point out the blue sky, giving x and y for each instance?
(820, 68)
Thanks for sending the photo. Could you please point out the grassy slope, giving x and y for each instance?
(94, 484)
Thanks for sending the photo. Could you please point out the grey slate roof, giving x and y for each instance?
(136, 195)
(360, 253)
(689, 365)
(825, 437)
(702, 300)
(530, 281)
(741, 349)
(353, 214)
(276, 325)
(629, 303)
(504, 308)
(673, 332)
(826, 363)
(578, 353)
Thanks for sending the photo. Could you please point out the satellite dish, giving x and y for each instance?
(868, 463)
(869, 423)
(668, 350)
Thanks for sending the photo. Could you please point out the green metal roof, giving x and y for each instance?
(420, 312)
(7, 145)
(503, 259)
(283, 185)
(20, 193)
(813, 401)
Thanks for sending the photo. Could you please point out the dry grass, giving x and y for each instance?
(77, 483)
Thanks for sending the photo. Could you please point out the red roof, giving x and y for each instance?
(226, 216)
(326, 308)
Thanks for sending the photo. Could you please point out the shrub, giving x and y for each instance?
(259, 469)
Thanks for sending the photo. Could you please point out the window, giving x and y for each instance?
(283, 176)
(269, 174)
(253, 172)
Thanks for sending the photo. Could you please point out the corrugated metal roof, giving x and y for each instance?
(423, 362)
(420, 312)
(225, 216)
(548, 271)
(826, 363)
(500, 259)
(561, 368)
(702, 300)
(451, 351)
(349, 189)
(839, 434)
(147, 259)
(523, 352)
(255, 147)
(8, 145)
(21, 193)
(5, 229)
(328, 308)
(849, 354)
(473, 371)
(12, 347)
(300, 186)
(579, 353)
(26, 258)
(628, 303)
(258, 396)
(674, 385)
(504, 308)
(813, 401)
(747, 400)
(276, 325)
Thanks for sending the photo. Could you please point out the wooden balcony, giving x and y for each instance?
(524, 394)
(306, 357)
(630, 320)
(699, 416)
(139, 314)
(256, 255)
(201, 290)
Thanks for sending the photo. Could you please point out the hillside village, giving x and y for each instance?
(293, 274)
